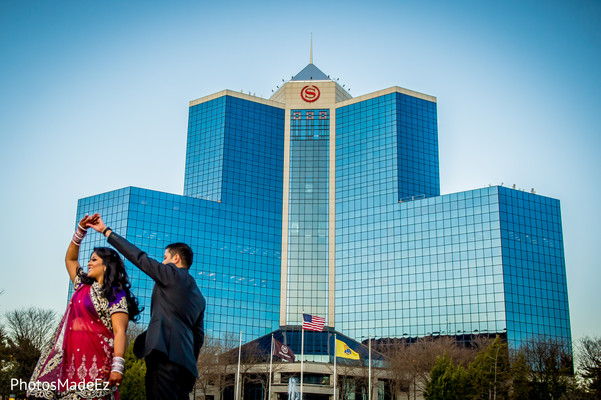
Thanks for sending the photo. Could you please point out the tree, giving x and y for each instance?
(277, 366)
(423, 355)
(409, 364)
(133, 387)
(361, 377)
(490, 371)
(251, 357)
(589, 362)
(447, 381)
(213, 361)
(214, 365)
(398, 375)
(6, 364)
(32, 325)
(520, 387)
(133, 331)
(551, 368)
(346, 382)
(29, 329)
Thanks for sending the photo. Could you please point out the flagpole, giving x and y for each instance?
(238, 372)
(369, 395)
(335, 356)
(270, 363)
(302, 359)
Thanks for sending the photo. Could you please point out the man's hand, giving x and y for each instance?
(97, 223)
(88, 221)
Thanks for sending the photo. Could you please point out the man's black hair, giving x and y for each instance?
(184, 251)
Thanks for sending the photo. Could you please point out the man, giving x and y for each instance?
(175, 333)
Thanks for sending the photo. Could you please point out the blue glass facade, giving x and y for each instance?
(386, 153)
(458, 264)
(307, 289)
(345, 221)
(236, 237)
(411, 263)
(533, 266)
(204, 150)
(235, 153)
(388, 139)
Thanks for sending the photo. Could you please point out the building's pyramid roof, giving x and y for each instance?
(310, 72)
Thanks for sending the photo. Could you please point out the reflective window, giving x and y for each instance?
(308, 214)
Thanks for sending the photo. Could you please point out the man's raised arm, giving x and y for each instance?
(159, 272)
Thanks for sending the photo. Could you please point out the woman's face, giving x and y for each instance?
(96, 268)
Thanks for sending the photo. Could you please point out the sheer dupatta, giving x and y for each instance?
(77, 361)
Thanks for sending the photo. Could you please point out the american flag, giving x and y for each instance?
(313, 323)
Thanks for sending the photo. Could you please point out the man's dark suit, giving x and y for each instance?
(175, 331)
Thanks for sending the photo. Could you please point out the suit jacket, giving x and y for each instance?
(177, 307)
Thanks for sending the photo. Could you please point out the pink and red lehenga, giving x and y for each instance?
(76, 363)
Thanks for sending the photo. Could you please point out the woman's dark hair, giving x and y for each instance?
(115, 279)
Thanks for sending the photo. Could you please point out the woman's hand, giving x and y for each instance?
(96, 223)
(115, 379)
(88, 221)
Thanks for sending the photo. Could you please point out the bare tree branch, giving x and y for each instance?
(133, 331)
(589, 362)
(550, 364)
(214, 363)
(33, 324)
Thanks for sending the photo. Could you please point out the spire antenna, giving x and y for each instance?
(311, 56)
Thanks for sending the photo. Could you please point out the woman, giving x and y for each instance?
(84, 359)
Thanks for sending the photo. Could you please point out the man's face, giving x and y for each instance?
(168, 257)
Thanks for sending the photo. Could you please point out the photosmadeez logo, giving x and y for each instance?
(60, 385)
(310, 93)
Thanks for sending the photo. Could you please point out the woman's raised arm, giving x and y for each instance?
(71, 258)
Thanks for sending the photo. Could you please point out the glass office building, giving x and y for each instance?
(314, 201)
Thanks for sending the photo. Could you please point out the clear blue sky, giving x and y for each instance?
(94, 97)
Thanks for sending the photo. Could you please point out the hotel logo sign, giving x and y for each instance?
(310, 93)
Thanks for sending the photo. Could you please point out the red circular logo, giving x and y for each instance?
(310, 93)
